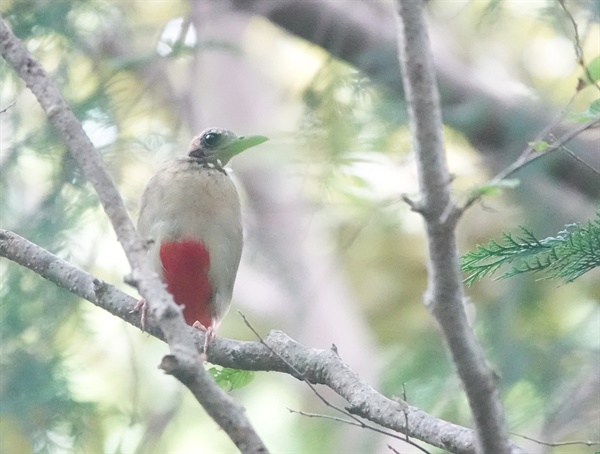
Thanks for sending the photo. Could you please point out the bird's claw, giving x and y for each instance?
(141, 306)
(209, 334)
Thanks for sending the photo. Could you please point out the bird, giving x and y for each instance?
(190, 216)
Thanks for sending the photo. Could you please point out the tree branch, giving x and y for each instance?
(184, 361)
(323, 367)
(444, 296)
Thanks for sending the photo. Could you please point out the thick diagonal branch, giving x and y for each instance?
(187, 365)
(317, 366)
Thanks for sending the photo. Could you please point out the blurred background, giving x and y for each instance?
(332, 254)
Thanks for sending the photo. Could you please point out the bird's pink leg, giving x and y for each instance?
(141, 307)
(209, 334)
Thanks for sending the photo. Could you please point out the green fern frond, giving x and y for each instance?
(571, 253)
(579, 252)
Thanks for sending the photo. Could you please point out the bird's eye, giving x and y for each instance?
(211, 139)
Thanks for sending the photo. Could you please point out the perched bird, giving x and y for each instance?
(190, 215)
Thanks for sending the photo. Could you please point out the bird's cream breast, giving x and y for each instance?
(185, 199)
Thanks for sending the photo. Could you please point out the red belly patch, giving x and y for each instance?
(185, 271)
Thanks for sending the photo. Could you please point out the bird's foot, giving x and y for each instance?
(141, 307)
(209, 334)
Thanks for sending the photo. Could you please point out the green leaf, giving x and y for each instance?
(539, 146)
(595, 108)
(592, 73)
(593, 113)
(230, 379)
(494, 189)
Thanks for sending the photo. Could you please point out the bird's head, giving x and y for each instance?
(218, 146)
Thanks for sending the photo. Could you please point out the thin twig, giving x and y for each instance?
(578, 159)
(393, 450)
(577, 44)
(359, 424)
(405, 414)
(559, 443)
(530, 154)
(7, 107)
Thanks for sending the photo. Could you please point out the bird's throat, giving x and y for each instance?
(185, 271)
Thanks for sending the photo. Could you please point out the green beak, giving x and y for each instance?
(236, 147)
